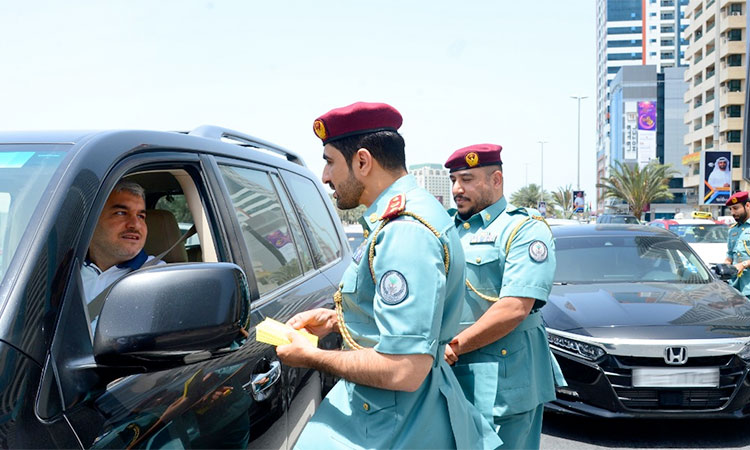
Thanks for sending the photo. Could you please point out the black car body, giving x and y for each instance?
(641, 328)
(169, 364)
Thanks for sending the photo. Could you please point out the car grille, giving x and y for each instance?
(620, 377)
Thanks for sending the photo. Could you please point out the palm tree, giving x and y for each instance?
(637, 186)
(529, 196)
(564, 199)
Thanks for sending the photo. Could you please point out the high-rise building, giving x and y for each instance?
(436, 179)
(716, 79)
(647, 111)
(632, 33)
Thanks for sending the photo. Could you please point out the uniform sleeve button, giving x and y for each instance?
(504, 352)
(479, 260)
(366, 406)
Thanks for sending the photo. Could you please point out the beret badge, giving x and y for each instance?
(320, 129)
(472, 159)
(734, 200)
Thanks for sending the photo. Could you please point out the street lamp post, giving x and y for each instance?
(578, 178)
(541, 164)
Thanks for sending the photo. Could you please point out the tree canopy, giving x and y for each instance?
(637, 186)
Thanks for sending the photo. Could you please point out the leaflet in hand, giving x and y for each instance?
(274, 332)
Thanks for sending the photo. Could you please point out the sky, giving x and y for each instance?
(460, 73)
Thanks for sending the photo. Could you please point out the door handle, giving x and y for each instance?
(260, 385)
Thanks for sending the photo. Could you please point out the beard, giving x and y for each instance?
(483, 200)
(348, 192)
(741, 217)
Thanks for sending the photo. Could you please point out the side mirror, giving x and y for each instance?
(725, 271)
(172, 314)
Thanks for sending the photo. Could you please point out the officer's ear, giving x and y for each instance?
(496, 178)
(362, 162)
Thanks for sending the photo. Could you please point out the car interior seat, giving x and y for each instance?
(163, 232)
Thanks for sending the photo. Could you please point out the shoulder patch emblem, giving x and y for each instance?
(393, 288)
(395, 207)
(538, 251)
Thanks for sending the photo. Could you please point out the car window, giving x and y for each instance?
(613, 259)
(264, 227)
(707, 234)
(316, 222)
(299, 238)
(24, 172)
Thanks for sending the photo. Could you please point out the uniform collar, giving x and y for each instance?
(372, 215)
(487, 215)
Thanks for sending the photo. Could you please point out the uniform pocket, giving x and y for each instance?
(484, 269)
(375, 410)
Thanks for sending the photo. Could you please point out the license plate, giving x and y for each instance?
(673, 377)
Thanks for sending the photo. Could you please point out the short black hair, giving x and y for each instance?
(387, 147)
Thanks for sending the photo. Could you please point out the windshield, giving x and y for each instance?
(616, 259)
(25, 170)
(708, 234)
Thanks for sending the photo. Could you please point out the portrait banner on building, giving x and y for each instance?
(717, 177)
(579, 201)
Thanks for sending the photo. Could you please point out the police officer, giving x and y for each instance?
(398, 305)
(501, 356)
(738, 242)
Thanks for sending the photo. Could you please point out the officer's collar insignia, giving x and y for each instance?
(396, 206)
(357, 255)
(393, 288)
(320, 129)
(483, 238)
(538, 251)
(472, 159)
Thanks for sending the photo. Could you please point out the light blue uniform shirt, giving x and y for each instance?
(412, 308)
(515, 373)
(738, 244)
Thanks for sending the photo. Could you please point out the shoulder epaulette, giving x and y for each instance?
(517, 210)
(396, 205)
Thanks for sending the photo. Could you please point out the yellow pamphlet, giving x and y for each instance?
(274, 332)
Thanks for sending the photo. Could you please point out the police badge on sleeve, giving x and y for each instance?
(393, 288)
(538, 251)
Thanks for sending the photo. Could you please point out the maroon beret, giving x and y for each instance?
(357, 118)
(474, 156)
(737, 197)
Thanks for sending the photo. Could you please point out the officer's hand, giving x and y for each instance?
(740, 267)
(298, 352)
(451, 352)
(319, 322)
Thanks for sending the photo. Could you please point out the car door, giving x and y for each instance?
(231, 401)
(288, 262)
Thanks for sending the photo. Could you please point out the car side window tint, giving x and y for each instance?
(316, 221)
(299, 239)
(264, 227)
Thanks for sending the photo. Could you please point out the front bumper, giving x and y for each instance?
(604, 389)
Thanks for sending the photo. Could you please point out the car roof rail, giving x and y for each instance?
(219, 133)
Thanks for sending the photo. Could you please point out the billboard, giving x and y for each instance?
(630, 139)
(717, 177)
(646, 132)
(579, 201)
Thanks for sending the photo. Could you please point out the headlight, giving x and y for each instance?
(582, 349)
(745, 352)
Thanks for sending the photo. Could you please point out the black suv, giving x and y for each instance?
(173, 361)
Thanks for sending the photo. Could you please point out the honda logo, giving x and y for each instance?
(675, 356)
